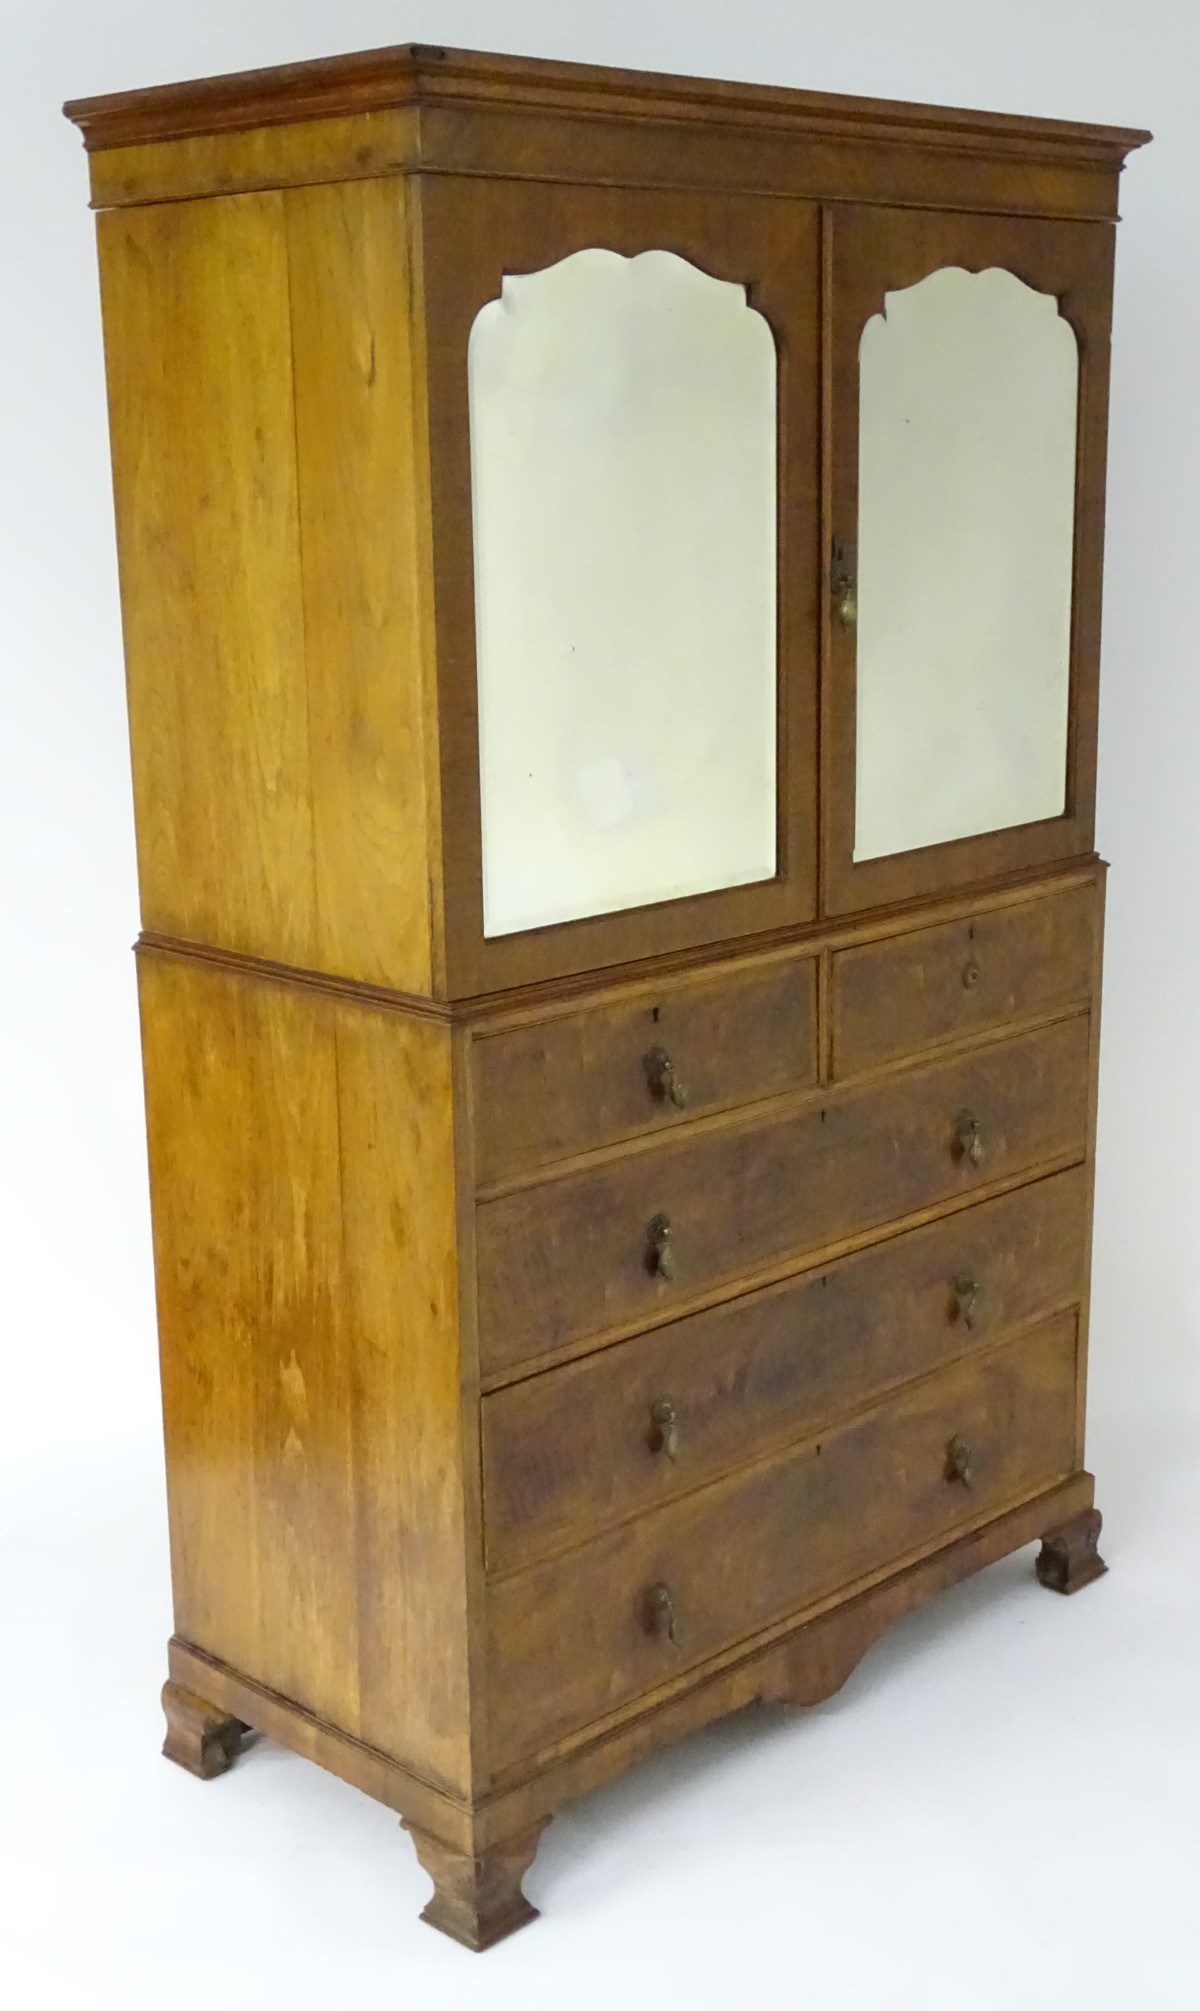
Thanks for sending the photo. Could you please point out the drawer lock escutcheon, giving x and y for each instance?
(660, 1250)
(971, 975)
(664, 1427)
(968, 1137)
(660, 1613)
(958, 1461)
(663, 1079)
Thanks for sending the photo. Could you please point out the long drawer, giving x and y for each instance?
(894, 997)
(642, 1062)
(624, 1243)
(626, 1429)
(584, 1635)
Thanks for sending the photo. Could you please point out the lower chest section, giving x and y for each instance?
(742, 1360)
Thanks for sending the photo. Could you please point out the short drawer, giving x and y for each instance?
(603, 1073)
(622, 1431)
(587, 1634)
(896, 997)
(626, 1243)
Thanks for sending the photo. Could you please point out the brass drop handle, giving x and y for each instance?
(660, 1250)
(966, 1291)
(660, 1609)
(968, 1136)
(971, 974)
(843, 587)
(664, 1427)
(958, 1461)
(665, 1085)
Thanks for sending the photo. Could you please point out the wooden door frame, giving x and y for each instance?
(471, 232)
(868, 252)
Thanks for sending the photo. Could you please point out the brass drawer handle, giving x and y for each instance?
(660, 1611)
(664, 1082)
(968, 1137)
(664, 1427)
(966, 1291)
(959, 1461)
(971, 975)
(660, 1251)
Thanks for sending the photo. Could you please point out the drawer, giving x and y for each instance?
(893, 998)
(580, 1637)
(624, 1244)
(624, 1430)
(603, 1073)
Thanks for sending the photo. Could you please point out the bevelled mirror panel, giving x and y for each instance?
(966, 510)
(623, 470)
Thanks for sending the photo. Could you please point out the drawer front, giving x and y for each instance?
(624, 1430)
(578, 1638)
(893, 998)
(604, 1073)
(626, 1243)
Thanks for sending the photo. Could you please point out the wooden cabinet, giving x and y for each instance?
(610, 569)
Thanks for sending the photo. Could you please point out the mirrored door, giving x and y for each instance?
(623, 400)
(963, 572)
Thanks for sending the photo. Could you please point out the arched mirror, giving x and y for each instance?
(623, 481)
(968, 394)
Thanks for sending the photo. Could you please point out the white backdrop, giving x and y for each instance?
(1010, 1773)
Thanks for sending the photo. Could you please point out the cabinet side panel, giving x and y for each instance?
(401, 1291)
(242, 1123)
(198, 349)
(302, 1190)
(359, 506)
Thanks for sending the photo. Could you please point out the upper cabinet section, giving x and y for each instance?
(623, 474)
(595, 516)
(969, 369)
(623, 439)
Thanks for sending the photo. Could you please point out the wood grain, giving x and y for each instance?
(574, 1448)
(570, 1258)
(477, 1897)
(803, 1660)
(321, 151)
(944, 983)
(561, 1085)
(576, 1639)
(303, 1199)
(455, 110)
(413, 1402)
(368, 680)
(241, 1101)
(198, 345)
(373, 79)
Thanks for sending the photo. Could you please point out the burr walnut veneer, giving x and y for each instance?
(576, 1328)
